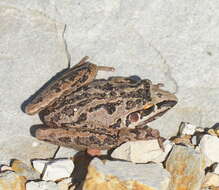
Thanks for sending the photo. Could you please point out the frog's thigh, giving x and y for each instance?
(60, 137)
(70, 80)
(76, 139)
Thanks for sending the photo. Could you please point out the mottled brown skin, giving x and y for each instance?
(83, 113)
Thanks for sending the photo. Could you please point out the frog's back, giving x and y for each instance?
(102, 101)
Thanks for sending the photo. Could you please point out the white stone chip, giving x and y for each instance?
(39, 165)
(5, 168)
(209, 146)
(64, 152)
(194, 140)
(65, 184)
(41, 185)
(216, 169)
(35, 144)
(58, 169)
(142, 151)
(211, 179)
(187, 129)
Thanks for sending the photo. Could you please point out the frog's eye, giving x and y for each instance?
(134, 117)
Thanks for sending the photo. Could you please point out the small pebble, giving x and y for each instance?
(133, 151)
(41, 185)
(187, 129)
(58, 169)
(24, 170)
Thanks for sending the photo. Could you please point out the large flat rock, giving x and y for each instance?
(165, 41)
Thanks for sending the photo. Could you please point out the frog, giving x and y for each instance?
(81, 112)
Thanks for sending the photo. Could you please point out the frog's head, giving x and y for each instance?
(158, 102)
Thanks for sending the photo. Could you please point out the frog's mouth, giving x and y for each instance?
(159, 110)
(155, 111)
(149, 113)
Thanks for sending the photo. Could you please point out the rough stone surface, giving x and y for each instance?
(41, 185)
(30, 42)
(194, 140)
(5, 168)
(65, 153)
(210, 180)
(125, 175)
(25, 148)
(166, 41)
(39, 165)
(58, 169)
(209, 146)
(22, 169)
(186, 167)
(142, 151)
(10, 181)
(216, 169)
(65, 184)
(187, 129)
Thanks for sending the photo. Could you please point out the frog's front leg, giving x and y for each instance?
(81, 74)
(142, 133)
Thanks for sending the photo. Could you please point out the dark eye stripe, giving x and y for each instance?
(146, 112)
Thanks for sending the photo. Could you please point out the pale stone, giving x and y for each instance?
(65, 184)
(216, 169)
(58, 169)
(32, 51)
(167, 42)
(64, 152)
(39, 165)
(142, 151)
(22, 169)
(187, 129)
(125, 175)
(194, 140)
(5, 168)
(10, 181)
(209, 146)
(211, 179)
(23, 149)
(41, 185)
(186, 167)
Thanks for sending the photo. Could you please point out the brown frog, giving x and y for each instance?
(83, 113)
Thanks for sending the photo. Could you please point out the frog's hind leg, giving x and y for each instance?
(98, 68)
(81, 74)
(58, 136)
(77, 138)
(143, 133)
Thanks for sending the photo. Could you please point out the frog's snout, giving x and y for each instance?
(163, 99)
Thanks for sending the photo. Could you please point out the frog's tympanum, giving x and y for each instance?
(83, 113)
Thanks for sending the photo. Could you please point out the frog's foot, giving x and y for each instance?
(69, 81)
(94, 152)
(105, 68)
(99, 68)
